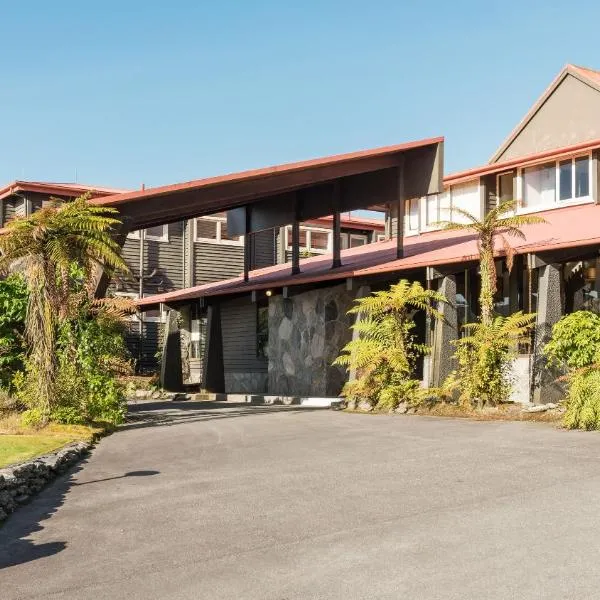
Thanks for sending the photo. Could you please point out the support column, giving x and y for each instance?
(549, 311)
(213, 373)
(247, 245)
(296, 237)
(171, 378)
(442, 352)
(337, 238)
(400, 212)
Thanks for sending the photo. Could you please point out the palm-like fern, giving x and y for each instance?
(46, 247)
(494, 225)
(384, 352)
(485, 356)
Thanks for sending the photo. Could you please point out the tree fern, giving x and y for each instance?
(384, 352)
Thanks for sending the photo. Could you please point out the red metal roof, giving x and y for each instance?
(523, 161)
(565, 228)
(64, 189)
(254, 174)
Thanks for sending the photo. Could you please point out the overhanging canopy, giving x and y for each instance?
(364, 179)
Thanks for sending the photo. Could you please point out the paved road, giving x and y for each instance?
(284, 503)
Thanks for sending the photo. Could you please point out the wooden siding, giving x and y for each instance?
(238, 322)
(143, 348)
(213, 262)
(263, 246)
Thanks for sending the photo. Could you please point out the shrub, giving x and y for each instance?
(484, 375)
(575, 346)
(386, 349)
(583, 400)
(13, 308)
(92, 353)
(575, 341)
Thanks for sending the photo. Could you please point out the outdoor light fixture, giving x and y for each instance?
(268, 293)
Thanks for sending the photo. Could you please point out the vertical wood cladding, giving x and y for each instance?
(238, 323)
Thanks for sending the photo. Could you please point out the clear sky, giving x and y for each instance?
(127, 92)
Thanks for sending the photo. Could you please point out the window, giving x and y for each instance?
(357, 240)
(197, 335)
(411, 214)
(432, 209)
(312, 240)
(213, 230)
(562, 181)
(353, 240)
(262, 331)
(160, 233)
(582, 177)
(465, 196)
(504, 189)
(539, 185)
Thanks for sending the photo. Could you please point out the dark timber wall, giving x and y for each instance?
(245, 372)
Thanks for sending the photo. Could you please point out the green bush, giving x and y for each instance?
(575, 347)
(13, 308)
(575, 341)
(583, 401)
(485, 356)
(92, 352)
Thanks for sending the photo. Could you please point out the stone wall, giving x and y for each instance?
(20, 482)
(245, 383)
(306, 333)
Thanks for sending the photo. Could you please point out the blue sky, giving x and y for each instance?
(158, 92)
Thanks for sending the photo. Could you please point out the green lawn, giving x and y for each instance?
(17, 448)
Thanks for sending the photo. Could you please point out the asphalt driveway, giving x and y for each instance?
(207, 501)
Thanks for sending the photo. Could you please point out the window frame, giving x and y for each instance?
(218, 240)
(558, 203)
(141, 234)
(407, 207)
(308, 229)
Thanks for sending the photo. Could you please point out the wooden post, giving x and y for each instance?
(247, 245)
(337, 238)
(400, 211)
(296, 237)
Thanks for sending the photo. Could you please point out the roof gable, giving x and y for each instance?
(567, 113)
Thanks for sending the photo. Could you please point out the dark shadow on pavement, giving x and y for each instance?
(26, 520)
(169, 412)
(128, 474)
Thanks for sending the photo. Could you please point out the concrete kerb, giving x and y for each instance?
(254, 399)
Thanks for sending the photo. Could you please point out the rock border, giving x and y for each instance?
(20, 482)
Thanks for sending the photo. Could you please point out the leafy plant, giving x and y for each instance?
(575, 346)
(494, 225)
(583, 400)
(384, 353)
(57, 249)
(13, 309)
(575, 341)
(485, 356)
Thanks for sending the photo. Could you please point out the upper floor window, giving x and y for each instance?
(213, 230)
(411, 214)
(560, 181)
(312, 239)
(432, 209)
(353, 240)
(159, 233)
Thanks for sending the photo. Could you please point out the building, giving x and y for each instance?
(277, 330)
(172, 256)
